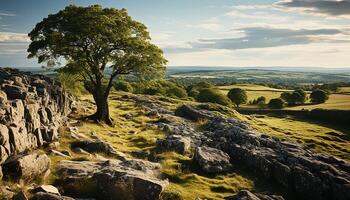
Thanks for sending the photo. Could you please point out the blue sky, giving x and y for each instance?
(210, 32)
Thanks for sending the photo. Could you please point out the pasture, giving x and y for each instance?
(340, 100)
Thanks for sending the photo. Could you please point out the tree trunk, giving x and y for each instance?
(102, 110)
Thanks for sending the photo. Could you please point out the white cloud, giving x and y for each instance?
(13, 37)
(7, 14)
(208, 26)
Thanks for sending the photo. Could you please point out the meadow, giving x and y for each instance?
(339, 100)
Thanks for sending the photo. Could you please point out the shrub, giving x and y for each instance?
(298, 97)
(123, 86)
(237, 96)
(213, 96)
(319, 96)
(193, 90)
(170, 195)
(277, 103)
(176, 91)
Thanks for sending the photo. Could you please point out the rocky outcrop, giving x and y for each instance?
(212, 160)
(27, 167)
(303, 172)
(32, 108)
(112, 179)
(49, 196)
(175, 143)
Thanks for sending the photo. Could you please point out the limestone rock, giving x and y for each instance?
(49, 196)
(212, 160)
(47, 189)
(113, 179)
(26, 167)
(247, 195)
(175, 143)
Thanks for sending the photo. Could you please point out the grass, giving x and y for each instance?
(135, 134)
(340, 100)
(320, 137)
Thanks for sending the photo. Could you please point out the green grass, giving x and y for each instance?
(335, 101)
(320, 137)
(185, 178)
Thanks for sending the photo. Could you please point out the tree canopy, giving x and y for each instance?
(238, 96)
(92, 42)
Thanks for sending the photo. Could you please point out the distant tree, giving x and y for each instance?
(91, 40)
(277, 103)
(319, 96)
(237, 96)
(303, 96)
(213, 96)
(296, 97)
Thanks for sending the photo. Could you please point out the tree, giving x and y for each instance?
(123, 86)
(237, 96)
(213, 96)
(93, 41)
(319, 96)
(297, 97)
(277, 103)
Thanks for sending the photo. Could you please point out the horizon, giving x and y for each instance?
(265, 33)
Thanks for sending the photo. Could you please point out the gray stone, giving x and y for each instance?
(26, 167)
(175, 143)
(47, 189)
(49, 196)
(212, 160)
(112, 179)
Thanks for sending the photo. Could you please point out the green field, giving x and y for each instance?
(339, 100)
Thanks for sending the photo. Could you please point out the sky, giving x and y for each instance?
(235, 33)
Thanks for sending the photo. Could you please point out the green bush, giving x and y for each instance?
(123, 86)
(319, 96)
(277, 103)
(297, 97)
(213, 96)
(176, 91)
(237, 96)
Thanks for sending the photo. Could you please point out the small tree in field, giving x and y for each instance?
(319, 96)
(237, 96)
(92, 42)
(277, 103)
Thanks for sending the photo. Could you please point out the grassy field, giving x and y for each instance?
(320, 137)
(336, 101)
(135, 134)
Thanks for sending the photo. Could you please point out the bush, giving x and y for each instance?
(319, 96)
(298, 97)
(123, 86)
(176, 91)
(237, 96)
(277, 103)
(193, 90)
(213, 96)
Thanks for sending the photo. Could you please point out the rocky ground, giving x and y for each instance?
(160, 148)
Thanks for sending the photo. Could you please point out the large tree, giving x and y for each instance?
(92, 42)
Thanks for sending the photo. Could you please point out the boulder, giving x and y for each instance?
(175, 143)
(49, 196)
(243, 195)
(112, 179)
(26, 167)
(47, 189)
(95, 147)
(212, 160)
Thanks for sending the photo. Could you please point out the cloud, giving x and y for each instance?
(325, 7)
(13, 37)
(7, 14)
(210, 26)
(263, 37)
